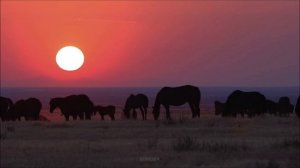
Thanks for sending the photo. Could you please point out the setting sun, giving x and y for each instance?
(69, 58)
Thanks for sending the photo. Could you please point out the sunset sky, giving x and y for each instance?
(204, 43)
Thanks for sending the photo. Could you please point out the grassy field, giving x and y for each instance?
(208, 142)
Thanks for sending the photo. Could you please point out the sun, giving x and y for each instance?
(69, 58)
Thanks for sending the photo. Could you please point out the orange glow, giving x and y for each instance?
(150, 43)
(102, 41)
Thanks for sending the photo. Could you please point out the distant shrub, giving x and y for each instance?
(269, 164)
(185, 143)
(222, 147)
(286, 143)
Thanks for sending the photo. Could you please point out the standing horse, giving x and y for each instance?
(244, 103)
(106, 110)
(136, 101)
(297, 108)
(177, 96)
(29, 109)
(73, 105)
(284, 106)
(6, 104)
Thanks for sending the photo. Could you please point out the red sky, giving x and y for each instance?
(206, 43)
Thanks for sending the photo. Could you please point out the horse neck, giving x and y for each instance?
(128, 104)
(59, 103)
(157, 104)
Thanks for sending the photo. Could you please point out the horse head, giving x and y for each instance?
(54, 103)
(219, 108)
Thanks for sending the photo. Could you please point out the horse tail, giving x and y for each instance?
(197, 101)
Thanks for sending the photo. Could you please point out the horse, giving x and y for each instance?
(271, 107)
(74, 105)
(297, 108)
(177, 96)
(106, 110)
(29, 109)
(284, 106)
(240, 102)
(136, 101)
(219, 108)
(6, 104)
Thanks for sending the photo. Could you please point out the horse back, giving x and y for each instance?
(179, 95)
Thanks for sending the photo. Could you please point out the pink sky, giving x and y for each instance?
(205, 43)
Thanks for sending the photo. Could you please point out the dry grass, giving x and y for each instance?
(206, 142)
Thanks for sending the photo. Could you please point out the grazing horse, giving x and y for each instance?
(74, 105)
(136, 101)
(29, 109)
(240, 102)
(219, 108)
(177, 96)
(284, 106)
(271, 107)
(6, 104)
(106, 110)
(297, 108)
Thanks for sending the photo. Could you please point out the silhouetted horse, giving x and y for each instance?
(5, 104)
(284, 106)
(73, 105)
(85, 105)
(177, 96)
(139, 101)
(29, 109)
(297, 108)
(106, 110)
(271, 107)
(239, 102)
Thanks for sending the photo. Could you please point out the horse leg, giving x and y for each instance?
(143, 113)
(67, 117)
(74, 117)
(197, 108)
(168, 112)
(194, 113)
(37, 117)
(87, 116)
(81, 116)
(112, 116)
(102, 117)
(134, 115)
(145, 110)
